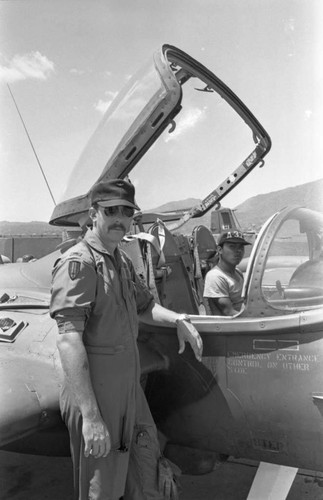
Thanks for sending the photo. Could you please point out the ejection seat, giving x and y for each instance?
(305, 287)
(310, 273)
(306, 281)
(173, 270)
(165, 263)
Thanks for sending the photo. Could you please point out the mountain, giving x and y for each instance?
(251, 214)
(28, 228)
(256, 210)
(177, 205)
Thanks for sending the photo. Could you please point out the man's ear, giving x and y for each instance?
(93, 213)
(219, 250)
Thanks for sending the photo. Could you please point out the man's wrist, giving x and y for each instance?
(90, 413)
(181, 318)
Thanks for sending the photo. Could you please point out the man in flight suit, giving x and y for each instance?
(96, 299)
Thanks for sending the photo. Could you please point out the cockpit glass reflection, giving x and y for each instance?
(120, 115)
(293, 275)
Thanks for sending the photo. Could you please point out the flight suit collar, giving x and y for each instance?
(94, 241)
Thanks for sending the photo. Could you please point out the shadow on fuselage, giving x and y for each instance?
(186, 401)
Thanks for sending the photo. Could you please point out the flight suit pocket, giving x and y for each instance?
(143, 439)
(145, 455)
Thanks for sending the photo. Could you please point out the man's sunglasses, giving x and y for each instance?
(113, 211)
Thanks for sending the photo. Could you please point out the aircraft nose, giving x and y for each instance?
(28, 403)
(20, 412)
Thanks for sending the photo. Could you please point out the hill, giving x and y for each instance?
(256, 210)
(252, 213)
(177, 205)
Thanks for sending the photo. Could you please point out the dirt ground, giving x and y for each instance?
(29, 477)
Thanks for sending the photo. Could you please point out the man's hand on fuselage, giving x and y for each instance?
(186, 331)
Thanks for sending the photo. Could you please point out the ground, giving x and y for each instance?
(50, 478)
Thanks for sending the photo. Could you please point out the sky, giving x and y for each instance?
(65, 60)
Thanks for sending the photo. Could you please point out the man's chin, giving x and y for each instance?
(117, 233)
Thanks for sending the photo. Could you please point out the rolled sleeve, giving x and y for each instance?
(68, 321)
(72, 296)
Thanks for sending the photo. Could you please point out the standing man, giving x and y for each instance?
(96, 299)
(224, 282)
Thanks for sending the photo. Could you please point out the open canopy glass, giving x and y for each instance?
(204, 132)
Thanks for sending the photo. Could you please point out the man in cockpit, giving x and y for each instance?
(224, 282)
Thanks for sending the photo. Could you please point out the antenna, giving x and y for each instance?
(32, 146)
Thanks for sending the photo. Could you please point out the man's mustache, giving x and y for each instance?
(117, 226)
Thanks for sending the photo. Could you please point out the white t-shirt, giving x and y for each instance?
(219, 284)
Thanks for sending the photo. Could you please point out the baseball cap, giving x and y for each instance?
(114, 192)
(233, 237)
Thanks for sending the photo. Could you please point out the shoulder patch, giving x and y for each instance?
(75, 254)
(74, 267)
